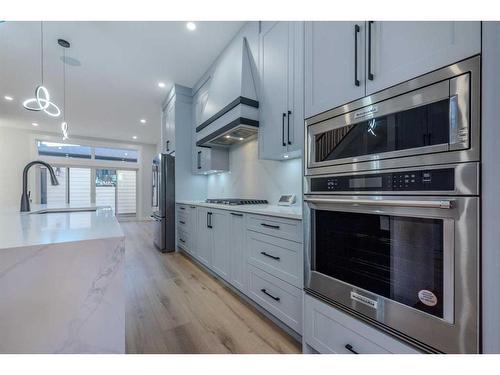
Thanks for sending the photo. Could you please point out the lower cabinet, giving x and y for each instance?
(203, 237)
(329, 330)
(236, 245)
(218, 225)
(277, 296)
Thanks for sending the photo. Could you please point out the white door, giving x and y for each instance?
(404, 50)
(219, 221)
(203, 238)
(236, 246)
(273, 101)
(334, 67)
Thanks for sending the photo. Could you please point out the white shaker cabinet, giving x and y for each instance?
(236, 246)
(203, 237)
(281, 117)
(399, 51)
(168, 127)
(219, 223)
(334, 64)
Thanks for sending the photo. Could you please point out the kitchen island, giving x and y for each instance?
(61, 280)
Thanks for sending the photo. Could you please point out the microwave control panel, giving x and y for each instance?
(417, 180)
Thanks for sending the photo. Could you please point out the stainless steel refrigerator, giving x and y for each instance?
(163, 202)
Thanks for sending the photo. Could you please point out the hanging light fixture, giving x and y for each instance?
(64, 125)
(41, 101)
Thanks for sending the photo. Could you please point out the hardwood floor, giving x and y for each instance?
(173, 306)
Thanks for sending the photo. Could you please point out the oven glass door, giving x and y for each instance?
(402, 258)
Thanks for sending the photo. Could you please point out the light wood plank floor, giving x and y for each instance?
(173, 306)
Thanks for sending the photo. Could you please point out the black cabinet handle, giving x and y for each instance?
(198, 161)
(351, 349)
(269, 255)
(182, 222)
(235, 214)
(283, 129)
(209, 220)
(180, 239)
(270, 295)
(192, 206)
(288, 128)
(270, 226)
(167, 145)
(356, 31)
(182, 208)
(370, 74)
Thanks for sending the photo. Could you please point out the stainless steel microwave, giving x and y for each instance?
(432, 119)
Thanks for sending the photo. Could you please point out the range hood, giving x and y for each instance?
(230, 114)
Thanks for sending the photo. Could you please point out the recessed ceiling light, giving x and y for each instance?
(34, 123)
(9, 98)
(161, 84)
(134, 137)
(143, 121)
(191, 26)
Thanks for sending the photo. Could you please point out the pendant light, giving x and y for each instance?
(41, 101)
(64, 125)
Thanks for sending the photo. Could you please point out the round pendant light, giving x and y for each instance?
(41, 101)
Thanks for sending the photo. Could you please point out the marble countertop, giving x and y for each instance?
(28, 228)
(290, 212)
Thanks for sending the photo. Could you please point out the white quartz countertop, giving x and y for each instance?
(28, 228)
(290, 212)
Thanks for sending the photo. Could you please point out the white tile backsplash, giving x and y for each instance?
(250, 177)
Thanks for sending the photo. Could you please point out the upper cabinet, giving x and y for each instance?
(399, 51)
(168, 127)
(334, 64)
(281, 114)
(205, 160)
(345, 61)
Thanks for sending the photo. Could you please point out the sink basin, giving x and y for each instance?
(63, 210)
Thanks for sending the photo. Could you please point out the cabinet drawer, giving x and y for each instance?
(329, 330)
(183, 240)
(183, 221)
(274, 226)
(276, 296)
(279, 257)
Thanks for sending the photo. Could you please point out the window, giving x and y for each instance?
(79, 186)
(117, 154)
(46, 148)
(105, 188)
(63, 150)
(53, 195)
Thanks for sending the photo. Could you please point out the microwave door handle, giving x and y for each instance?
(444, 204)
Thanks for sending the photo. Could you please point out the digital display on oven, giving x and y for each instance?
(365, 182)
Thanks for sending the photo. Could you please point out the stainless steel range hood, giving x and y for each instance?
(231, 114)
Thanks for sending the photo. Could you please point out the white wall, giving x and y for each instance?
(15, 153)
(250, 177)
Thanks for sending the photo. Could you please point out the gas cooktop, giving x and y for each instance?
(236, 202)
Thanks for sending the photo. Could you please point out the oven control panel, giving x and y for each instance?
(416, 180)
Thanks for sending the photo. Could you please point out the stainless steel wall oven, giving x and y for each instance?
(392, 223)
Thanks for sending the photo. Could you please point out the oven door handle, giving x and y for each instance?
(445, 204)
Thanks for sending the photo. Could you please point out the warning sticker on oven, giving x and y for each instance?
(427, 297)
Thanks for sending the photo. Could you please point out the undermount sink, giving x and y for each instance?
(63, 210)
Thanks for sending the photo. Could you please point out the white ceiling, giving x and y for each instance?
(116, 84)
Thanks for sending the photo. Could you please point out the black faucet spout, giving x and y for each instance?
(25, 199)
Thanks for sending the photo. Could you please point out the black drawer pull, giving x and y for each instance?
(269, 255)
(182, 208)
(270, 226)
(182, 222)
(180, 239)
(235, 214)
(270, 295)
(192, 206)
(351, 349)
